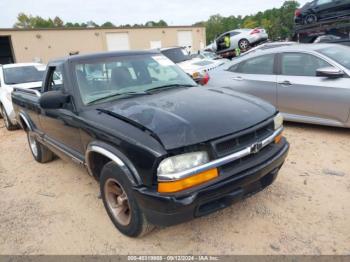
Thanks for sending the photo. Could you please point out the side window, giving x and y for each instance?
(323, 2)
(299, 64)
(55, 79)
(234, 68)
(262, 65)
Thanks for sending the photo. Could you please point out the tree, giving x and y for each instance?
(277, 21)
(58, 22)
(91, 24)
(108, 25)
(23, 21)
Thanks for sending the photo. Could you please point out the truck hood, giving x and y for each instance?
(198, 65)
(188, 116)
(28, 85)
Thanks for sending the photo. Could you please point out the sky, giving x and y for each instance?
(174, 12)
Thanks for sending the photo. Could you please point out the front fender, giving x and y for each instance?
(116, 156)
(7, 104)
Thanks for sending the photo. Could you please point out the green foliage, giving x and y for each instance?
(29, 21)
(108, 25)
(161, 23)
(277, 21)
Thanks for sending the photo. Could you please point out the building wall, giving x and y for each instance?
(47, 44)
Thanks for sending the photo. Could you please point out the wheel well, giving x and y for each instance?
(96, 162)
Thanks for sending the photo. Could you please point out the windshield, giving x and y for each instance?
(127, 75)
(177, 55)
(340, 54)
(24, 74)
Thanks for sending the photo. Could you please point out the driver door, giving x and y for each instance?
(60, 125)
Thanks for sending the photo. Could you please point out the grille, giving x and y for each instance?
(239, 141)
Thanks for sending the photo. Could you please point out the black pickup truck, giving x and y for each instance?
(163, 149)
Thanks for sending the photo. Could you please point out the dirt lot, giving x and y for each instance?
(55, 209)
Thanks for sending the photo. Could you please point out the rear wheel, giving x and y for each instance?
(40, 152)
(120, 203)
(8, 124)
(243, 44)
(310, 19)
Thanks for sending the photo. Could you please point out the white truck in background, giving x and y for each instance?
(21, 75)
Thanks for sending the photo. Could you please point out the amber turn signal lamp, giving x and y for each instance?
(195, 180)
(278, 138)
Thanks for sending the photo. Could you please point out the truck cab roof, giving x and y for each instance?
(109, 54)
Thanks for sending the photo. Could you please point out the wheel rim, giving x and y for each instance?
(33, 145)
(310, 19)
(117, 202)
(244, 44)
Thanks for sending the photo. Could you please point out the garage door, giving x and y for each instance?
(184, 38)
(155, 44)
(117, 41)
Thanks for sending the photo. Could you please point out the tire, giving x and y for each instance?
(310, 19)
(8, 124)
(120, 203)
(40, 152)
(243, 44)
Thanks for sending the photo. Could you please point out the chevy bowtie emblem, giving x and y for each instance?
(255, 148)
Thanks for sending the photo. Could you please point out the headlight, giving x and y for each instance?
(278, 121)
(182, 162)
(168, 182)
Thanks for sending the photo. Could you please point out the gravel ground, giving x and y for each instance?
(54, 208)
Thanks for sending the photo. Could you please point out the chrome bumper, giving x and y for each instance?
(252, 149)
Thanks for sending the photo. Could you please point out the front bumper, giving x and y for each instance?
(166, 210)
(8, 106)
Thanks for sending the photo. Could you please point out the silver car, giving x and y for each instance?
(242, 38)
(308, 83)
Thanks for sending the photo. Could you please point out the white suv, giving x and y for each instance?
(28, 75)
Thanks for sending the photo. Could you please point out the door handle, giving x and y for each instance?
(238, 78)
(285, 83)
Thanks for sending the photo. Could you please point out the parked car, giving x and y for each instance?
(239, 38)
(308, 83)
(210, 56)
(343, 41)
(318, 10)
(269, 45)
(326, 38)
(17, 75)
(197, 68)
(163, 149)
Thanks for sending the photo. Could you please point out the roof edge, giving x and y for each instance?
(97, 28)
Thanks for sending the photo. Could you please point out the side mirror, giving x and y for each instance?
(53, 100)
(330, 72)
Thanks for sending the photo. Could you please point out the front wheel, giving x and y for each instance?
(243, 44)
(120, 204)
(40, 152)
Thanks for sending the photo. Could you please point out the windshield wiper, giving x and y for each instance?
(126, 94)
(168, 86)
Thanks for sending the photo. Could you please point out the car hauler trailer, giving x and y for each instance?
(308, 33)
